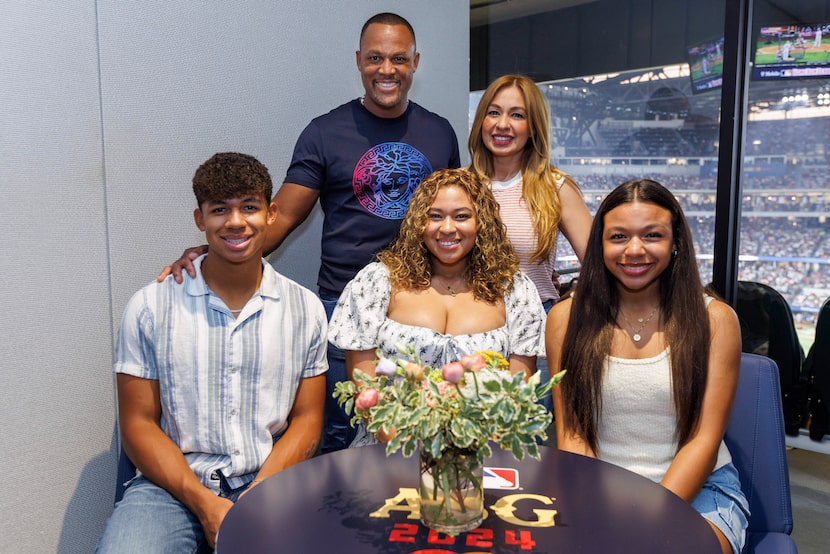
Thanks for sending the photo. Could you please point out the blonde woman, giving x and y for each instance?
(509, 148)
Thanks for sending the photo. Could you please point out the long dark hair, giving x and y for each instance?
(594, 314)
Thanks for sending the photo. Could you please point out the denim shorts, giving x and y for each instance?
(722, 502)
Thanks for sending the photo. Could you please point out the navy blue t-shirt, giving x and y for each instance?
(366, 168)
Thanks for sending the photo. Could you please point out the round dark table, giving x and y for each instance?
(324, 504)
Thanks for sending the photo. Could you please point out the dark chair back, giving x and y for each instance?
(767, 329)
(755, 437)
(817, 375)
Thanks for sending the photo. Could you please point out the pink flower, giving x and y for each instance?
(444, 387)
(473, 362)
(366, 399)
(452, 372)
(414, 371)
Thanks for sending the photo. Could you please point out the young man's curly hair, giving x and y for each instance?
(492, 262)
(231, 175)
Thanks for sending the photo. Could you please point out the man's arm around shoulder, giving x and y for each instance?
(294, 203)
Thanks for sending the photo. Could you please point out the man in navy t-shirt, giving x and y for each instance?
(362, 160)
(364, 168)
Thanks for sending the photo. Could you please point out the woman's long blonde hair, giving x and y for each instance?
(539, 175)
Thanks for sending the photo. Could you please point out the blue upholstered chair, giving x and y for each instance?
(126, 471)
(755, 437)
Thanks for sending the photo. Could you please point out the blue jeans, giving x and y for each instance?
(542, 367)
(149, 519)
(337, 433)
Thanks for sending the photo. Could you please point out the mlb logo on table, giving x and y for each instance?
(503, 478)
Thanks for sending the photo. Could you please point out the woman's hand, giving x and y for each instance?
(184, 263)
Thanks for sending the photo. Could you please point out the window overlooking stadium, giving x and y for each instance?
(609, 128)
(785, 242)
(625, 103)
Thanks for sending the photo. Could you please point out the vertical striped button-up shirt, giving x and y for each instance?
(227, 384)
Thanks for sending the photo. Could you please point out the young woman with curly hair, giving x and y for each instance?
(652, 359)
(449, 285)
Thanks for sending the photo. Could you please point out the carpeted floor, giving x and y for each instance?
(810, 491)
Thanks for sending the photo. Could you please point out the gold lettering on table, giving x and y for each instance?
(407, 500)
(505, 507)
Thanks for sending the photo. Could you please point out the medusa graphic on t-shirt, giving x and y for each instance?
(386, 176)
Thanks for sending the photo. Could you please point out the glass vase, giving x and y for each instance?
(451, 494)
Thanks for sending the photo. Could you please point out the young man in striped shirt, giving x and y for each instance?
(221, 379)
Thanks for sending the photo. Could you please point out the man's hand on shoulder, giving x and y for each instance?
(185, 263)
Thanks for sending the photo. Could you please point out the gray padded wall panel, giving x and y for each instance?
(95, 169)
(56, 402)
(249, 80)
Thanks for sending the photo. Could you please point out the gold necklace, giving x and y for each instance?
(450, 290)
(635, 333)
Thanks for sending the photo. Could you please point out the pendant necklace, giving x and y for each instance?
(642, 321)
(451, 290)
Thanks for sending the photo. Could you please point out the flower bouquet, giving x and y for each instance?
(452, 413)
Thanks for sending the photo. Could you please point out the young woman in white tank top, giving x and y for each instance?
(652, 361)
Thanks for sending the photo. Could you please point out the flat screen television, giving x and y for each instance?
(792, 52)
(706, 65)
